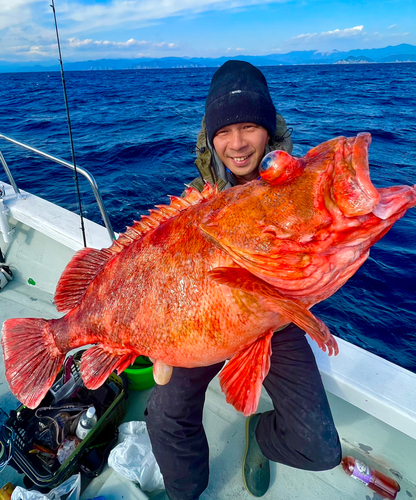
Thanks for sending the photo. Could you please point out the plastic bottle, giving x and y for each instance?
(86, 422)
(375, 480)
(6, 491)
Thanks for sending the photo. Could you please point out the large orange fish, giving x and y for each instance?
(211, 276)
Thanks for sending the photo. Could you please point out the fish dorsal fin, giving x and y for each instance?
(77, 276)
(163, 213)
(88, 262)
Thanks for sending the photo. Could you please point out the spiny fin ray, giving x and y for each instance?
(32, 371)
(242, 377)
(273, 300)
(98, 362)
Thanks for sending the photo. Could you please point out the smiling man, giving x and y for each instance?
(241, 126)
(241, 148)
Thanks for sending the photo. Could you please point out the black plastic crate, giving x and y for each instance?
(99, 438)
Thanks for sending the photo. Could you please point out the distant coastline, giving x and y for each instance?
(403, 53)
(41, 69)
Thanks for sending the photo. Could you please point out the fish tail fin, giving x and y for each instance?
(242, 377)
(31, 357)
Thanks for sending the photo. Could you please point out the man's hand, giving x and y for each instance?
(161, 372)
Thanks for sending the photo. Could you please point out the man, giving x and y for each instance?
(241, 126)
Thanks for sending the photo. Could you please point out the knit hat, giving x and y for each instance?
(239, 94)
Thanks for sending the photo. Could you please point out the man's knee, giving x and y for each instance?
(322, 454)
(315, 452)
(326, 458)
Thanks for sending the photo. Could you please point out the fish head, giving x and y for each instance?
(319, 204)
(297, 198)
(337, 168)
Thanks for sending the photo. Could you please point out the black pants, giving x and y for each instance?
(299, 432)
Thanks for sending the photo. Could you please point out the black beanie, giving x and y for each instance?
(238, 94)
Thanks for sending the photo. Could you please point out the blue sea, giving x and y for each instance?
(135, 131)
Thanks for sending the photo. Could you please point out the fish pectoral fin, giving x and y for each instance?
(270, 298)
(162, 372)
(98, 362)
(243, 375)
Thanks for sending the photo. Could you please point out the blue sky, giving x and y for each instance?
(96, 29)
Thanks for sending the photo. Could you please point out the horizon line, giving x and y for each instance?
(274, 54)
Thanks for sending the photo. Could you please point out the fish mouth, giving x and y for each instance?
(383, 203)
(353, 190)
(394, 200)
(362, 171)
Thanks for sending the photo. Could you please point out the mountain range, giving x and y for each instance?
(399, 53)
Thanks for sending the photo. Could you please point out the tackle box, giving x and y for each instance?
(16, 435)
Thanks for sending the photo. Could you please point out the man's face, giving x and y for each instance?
(241, 148)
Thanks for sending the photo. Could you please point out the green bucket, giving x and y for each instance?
(140, 374)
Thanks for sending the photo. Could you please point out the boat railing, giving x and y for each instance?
(64, 163)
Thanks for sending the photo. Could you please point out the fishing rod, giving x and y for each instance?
(69, 127)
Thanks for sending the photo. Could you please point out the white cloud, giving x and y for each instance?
(392, 26)
(17, 11)
(304, 36)
(78, 21)
(340, 39)
(73, 42)
(80, 16)
(76, 43)
(347, 32)
(337, 33)
(21, 44)
(37, 51)
(118, 12)
(385, 38)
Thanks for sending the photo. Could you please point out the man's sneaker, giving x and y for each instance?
(256, 467)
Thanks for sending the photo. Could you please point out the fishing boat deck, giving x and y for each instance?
(361, 435)
(375, 425)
